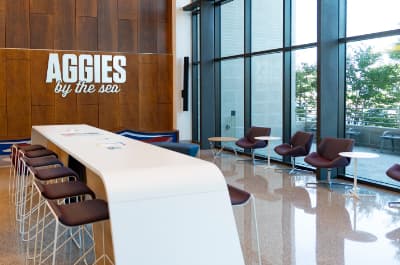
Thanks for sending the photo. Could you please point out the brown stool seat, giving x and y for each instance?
(42, 161)
(81, 213)
(44, 174)
(238, 196)
(29, 147)
(62, 190)
(39, 153)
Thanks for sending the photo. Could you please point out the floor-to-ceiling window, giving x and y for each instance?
(268, 72)
(304, 68)
(373, 83)
(232, 109)
(267, 67)
(232, 69)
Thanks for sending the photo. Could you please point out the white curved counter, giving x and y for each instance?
(166, 208)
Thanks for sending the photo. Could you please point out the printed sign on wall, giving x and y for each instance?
(86, 73)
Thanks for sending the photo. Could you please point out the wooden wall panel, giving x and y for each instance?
(3, 71)
(109, 112)
(18, 94)
(2, 23)
(130, 89)
(163, 26)
(87, 99)
(87, 33)
(66, 112)
(86, 8)
(148, 26)
(17, 24)
(3, 122)
(43, 115)
(42, 6)
(164, 79)
(42, 31)
(64, 23)
(148, 102)
(143, 103)
(129, 95)
(107, 25)
(42, 93)
(128, 9)
(88, 114)
(128, 35)
(165, 114)
(129, 116)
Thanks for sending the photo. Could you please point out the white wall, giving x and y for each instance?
(183, 48)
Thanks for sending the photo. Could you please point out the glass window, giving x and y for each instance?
(304, 21)
(373, 103)
(304, 93)
(232, 93)
(266, 12)
(266, 95)
(365, 17)
(232, 28)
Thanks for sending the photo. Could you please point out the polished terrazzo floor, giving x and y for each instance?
(297, 225)
(306, 226)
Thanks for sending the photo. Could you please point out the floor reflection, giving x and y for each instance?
(309, 226)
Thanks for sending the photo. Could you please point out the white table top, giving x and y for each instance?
(222, 139)
(165, 207)
(267, 138)
(358, 154)
(122, 162)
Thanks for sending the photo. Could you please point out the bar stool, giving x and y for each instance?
(77, 214)
(22, 193)
(47, 175)
(14, 161)
(34, 151)
(240, 197)
(55, 191)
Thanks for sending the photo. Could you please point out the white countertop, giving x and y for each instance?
(186, 196)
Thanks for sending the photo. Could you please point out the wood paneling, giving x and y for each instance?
(3, 90)
(128, 35)
(143, 26)
(108, 26)
(66, 112)
(3, 122)
(42, 93)
(42, 6)
(164, 111)
(87, 99)
(128, 9)
(109, 112)
(129, 116)
(2, 23)
(42, 32)
(43, 115)
(148, 102)
(65, 23)
(164, 79)
(148, 26)
(18, 93)
(86, 8)
(87, 33)
(144, 101)
(17, 24)
(88, 114)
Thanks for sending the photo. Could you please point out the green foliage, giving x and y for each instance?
(373, 88)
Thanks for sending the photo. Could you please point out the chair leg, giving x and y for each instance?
(328, 182)
(253, 203)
